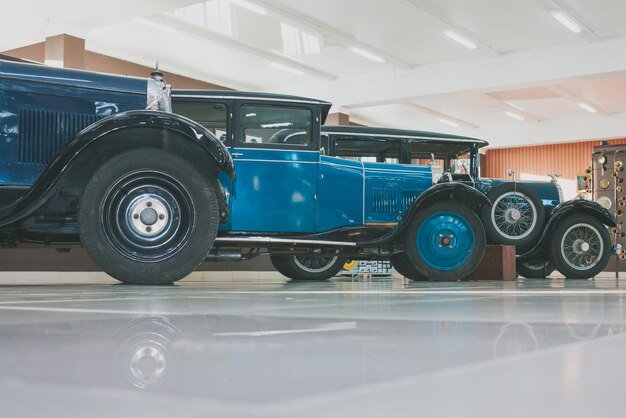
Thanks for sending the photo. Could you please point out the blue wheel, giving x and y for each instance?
(445, 241)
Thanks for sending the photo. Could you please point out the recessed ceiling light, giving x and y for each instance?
(566, 21)
(155, 25)
(250, 6)
(516, 106)
(286, 68)
(366, 54)
(449, 122)
(460, 39)
(587, 107)
(514, 115)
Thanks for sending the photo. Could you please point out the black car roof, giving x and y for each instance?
(387, 133)
(250, 95)
(253, 95)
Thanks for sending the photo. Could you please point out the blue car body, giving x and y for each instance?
(43, 108)
(405, 147)
(278, 190)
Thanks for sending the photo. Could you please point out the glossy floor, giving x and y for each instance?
(267, 348)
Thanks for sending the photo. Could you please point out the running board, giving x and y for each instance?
(270, 240)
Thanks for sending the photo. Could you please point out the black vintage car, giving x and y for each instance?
(548, 233)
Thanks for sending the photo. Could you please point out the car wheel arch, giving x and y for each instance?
(112, 136)
(458, 193)
(562, 212)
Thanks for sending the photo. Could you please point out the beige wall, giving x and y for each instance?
(71, 52)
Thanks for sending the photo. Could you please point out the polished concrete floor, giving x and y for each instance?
(223, 347)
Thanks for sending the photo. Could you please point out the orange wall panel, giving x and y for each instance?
(568, 159)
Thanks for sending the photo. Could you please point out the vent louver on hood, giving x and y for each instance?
(44, 133)
(385, 200)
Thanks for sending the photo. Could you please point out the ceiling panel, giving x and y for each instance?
(504, 25)
(605, 17)
(609, 93)
(390, 25)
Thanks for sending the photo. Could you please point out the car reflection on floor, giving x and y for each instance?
(235, 348)
(262, 358)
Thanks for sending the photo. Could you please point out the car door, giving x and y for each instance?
(276, 156)
(217, 116)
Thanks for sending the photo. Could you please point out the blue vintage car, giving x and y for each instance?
(97, 160)
(528, 214)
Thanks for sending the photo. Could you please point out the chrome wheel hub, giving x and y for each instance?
(513, 215)
(580, 247)
(148, 215)
(147, 366)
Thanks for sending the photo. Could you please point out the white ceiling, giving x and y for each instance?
(525, 62)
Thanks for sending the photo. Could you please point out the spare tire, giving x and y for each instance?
(516, 216)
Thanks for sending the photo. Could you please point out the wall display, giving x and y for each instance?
(607, 165)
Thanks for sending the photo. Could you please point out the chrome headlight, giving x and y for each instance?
(605, 202)
(602, 159)
(158, 96)
(559, 189)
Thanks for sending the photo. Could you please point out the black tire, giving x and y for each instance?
(509, 201)
(176, 202)
(534, 270)
(401, 263)
(568, 252)
(308, 267)
(445, 260)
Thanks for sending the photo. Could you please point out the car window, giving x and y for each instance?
(212, 116)
(275, 125)
(460, 165)
(368, 149)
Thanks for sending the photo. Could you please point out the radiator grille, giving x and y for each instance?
(384, 200)
(408, 197)
(44, 133)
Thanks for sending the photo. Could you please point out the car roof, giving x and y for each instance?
(254, 96)
(365, 132)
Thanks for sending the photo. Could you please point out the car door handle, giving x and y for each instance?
(236, 154)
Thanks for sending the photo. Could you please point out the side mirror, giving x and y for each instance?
(322, 151)
(510, 172)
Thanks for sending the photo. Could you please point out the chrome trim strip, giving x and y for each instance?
(275, 161)
(357, 134)
(394, 171)
(341, 165)
(271, 240)
(273, 149)
(363, 203)
(265, 99)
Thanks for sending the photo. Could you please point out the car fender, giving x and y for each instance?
(458, 193)
(104, 138)
(568, 208)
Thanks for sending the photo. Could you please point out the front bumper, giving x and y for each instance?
(617, 248)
